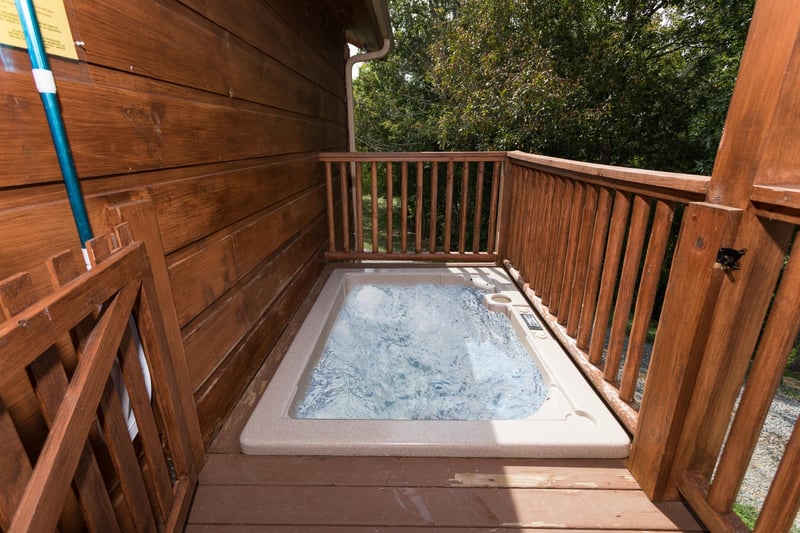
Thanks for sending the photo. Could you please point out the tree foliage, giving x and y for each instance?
(641, 83)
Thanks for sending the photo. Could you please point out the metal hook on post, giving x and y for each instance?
(728, 259)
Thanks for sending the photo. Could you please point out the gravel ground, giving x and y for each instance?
(778, 427)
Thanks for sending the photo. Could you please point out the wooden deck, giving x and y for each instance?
(239, 493)
(248, 493)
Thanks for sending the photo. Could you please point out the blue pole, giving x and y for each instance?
(45, 84)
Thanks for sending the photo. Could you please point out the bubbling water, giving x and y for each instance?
(422, 352)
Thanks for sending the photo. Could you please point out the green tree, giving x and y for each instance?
(395, 105)
(634, 82)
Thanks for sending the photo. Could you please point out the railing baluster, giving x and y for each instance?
(577, 287)
(389, 209)
(496, 177)
(534, 244)
(627, 286)
(543, 261)
(777, 341)
(464, 210)
(329, 195)
(572, 254)
(556, 238)
(476, 226)
(645, 299)
(531, 243)
(783, 498)
(595, 267)
(374, 206)
(404, 207)
(359, 220)
(434, 187)
(448, 209)
(420, 206)
(516, 228)
(616, 236)
(345, 206)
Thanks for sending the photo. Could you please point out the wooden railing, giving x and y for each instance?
(609, 256)
(421, 206)
(710, 472)
(587, 244)
(584, 240)
(88, 473)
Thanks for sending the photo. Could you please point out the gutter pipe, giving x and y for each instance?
(46, 86)
(380, 8)
(348, 82)
(381, 11)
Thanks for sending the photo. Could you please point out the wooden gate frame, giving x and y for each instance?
(155, 475)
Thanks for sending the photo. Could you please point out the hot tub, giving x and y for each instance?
(572, 421)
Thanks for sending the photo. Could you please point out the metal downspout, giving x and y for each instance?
(348, 71)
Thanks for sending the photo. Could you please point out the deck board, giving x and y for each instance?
(427, 492)
(236, 469)
(240, 528)
(244, 494)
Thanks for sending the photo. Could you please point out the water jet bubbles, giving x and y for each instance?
(422, 352)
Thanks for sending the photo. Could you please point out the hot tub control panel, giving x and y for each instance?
(530, 321)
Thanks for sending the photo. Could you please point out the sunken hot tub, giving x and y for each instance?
(439, 361)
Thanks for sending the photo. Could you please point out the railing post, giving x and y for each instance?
(689, 306)
(141, 217)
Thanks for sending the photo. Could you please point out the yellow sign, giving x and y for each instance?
(53, 22)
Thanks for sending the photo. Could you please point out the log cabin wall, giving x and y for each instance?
(215, 115)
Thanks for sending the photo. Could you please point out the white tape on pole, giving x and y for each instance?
(45, 82)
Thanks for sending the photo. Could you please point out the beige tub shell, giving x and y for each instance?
(573, 422)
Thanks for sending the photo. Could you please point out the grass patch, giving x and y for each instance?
(747, 513)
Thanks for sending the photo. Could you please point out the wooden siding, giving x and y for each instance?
(215, 116)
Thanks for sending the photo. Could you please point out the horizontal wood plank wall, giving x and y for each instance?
(214, 114)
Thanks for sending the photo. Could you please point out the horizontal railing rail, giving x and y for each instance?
(416, 206)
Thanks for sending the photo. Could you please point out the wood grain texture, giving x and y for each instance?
(780, 334)
(578, 283)
(214, 114)
(564, 285)
(236, 469)
(434, 507)
(628, 280)
(150, 131)
(210, 337)
(616, 235)
(595, 268)
(732, 343)
(762, 116)
(645, 298)
(168, 352)
(297, 269)
(690, 299)
(260, 25)
(665, 185)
